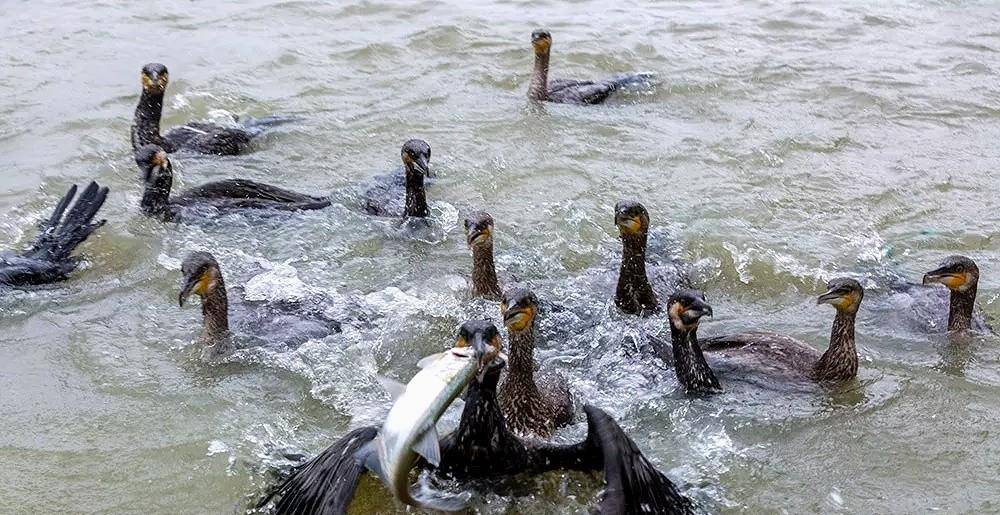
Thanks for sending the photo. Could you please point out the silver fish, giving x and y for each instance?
(409, 429)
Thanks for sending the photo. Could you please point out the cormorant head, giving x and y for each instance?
(685, 308)
(483, 337)
(201, 276)
(153, 161)
(843, 293)
(958, 273)
(631, 218)
(518, 307)
(479, 229)
(416, 155)
(155, 78)
(541, 40)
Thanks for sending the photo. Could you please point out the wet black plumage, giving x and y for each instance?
(211, 198)
(572, 91)
(634, 294)
(48, 259)
(402, 194)
(202, 137)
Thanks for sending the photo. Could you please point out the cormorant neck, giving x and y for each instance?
(215, 310)
(484, 273)
(840, 361)
(960, 311)
(634, 294)
(156, 196)
(146, 127)
(416, 196)
(539, 88)
(693, 372)
(522, 360)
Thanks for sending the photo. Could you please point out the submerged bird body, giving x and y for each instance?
(532, 403)
(49, 259)
(402, 195)
(779, 359)
(211, 198)
(283, 323)
(206, 138)
(571, 91)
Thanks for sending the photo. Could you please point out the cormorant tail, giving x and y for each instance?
(632, 483)
(256, 126)
(59, 235)
(633, 80)
(325, 485)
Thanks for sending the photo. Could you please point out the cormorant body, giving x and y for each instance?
(258, 323)
(571, 91)
(48, 259)
(634, 293)
(533, 404)
(211, 198)
(205, 138)
(402, 195)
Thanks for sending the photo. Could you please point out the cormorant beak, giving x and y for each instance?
(479, 236)
(519, 316)
(420, 164)
(628, 224)
(154, 82)
(194, 283)
(698, 309)
(953, 280)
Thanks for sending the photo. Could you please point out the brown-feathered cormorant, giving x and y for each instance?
(479, 236)
(48, 258)
(206, 138)
(280, 323)
(780, 357)
(531, 404)
(634, 294)
(403, 195)
(483, 447)
(961, 275)
(211, 198)
(571, 91)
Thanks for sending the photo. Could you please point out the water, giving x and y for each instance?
(785, 144)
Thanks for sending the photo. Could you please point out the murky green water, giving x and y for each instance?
(785, 144)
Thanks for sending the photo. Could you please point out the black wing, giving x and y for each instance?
(325, 485)
(246, 193)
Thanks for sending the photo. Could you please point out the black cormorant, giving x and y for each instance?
(285, 323)
(206, 138)
(403, 195)
(211, 198)
(48, 258)
(483, 447)
(479, 236)
(634, 294)
(571, 91)
(532, 404)
(780, 358)
(961, 275)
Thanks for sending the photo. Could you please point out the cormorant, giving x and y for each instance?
(780, 357)
(483, 447)
(48, 258)
(530, 406)
(961, 275)
(226, 195)
(634, 294)
(479, 235)
(206, 138)
(287, 323)
(571, 91)
(403, 195)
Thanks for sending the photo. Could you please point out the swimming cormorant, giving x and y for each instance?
(206, 138)
(780, 357)
(483, 447)
(403, 195)
(287, 323)
(48, 258)
(226, 195)
(961, 275)
(634, 294)
(570, 91)
(479, 235)
(530, 406)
